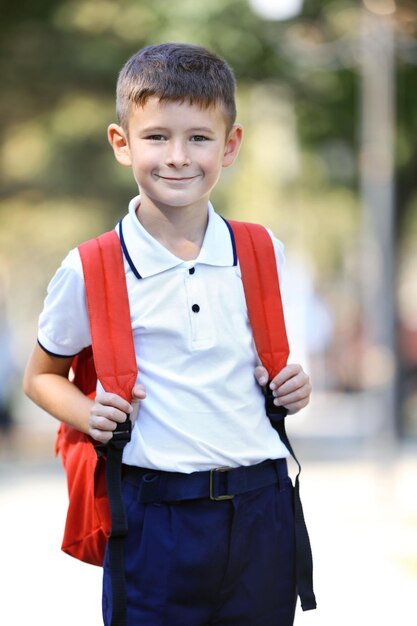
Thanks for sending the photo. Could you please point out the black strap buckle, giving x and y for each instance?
(123, 431)
(121, 436)
(213, 474)
(275, 413)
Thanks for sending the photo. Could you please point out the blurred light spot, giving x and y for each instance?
(25, 152)
(80, 116)
(341, 19)
(276, 10)
(92, 16)
(134, 22)
(380, 7)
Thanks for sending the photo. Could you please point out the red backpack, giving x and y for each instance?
(95, 513)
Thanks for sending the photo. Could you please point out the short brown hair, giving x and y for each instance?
(177, 72)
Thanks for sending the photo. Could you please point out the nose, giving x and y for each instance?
(177, 154)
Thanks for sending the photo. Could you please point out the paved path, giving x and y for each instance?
(362, 518)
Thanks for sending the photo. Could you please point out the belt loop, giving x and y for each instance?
(150, 488)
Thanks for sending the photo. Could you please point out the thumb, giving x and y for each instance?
(261, 374)
(138, 392)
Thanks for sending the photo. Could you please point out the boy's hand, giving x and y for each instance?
(109, 410)
(291, 387)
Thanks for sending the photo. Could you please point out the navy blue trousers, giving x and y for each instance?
(203, 563)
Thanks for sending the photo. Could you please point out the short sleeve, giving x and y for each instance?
(279, 254)
(63, 324)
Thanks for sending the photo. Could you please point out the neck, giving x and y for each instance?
(179, 229)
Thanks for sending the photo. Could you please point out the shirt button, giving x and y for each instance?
(191, 270)
(195, 308)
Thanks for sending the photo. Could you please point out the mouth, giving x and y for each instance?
(180, 179)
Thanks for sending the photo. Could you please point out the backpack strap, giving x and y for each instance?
(256, 255)
(109, 314)
(115, 364)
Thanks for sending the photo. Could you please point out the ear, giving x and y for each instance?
(119, 142)
(232, 146)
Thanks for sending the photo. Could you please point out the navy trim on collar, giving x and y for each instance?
(126, 253)
(232, 238)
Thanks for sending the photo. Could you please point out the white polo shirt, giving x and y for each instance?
(194, 350)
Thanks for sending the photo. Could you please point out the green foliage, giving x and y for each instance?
(59, 63)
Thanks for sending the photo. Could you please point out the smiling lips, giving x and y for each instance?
(177, 179)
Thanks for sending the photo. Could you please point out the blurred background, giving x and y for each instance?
(328, 100)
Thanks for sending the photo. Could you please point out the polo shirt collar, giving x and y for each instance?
(147, 257)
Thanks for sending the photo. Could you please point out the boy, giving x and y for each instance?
(198, 561)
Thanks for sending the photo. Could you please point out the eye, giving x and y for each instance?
(155, 137)
(199, 138)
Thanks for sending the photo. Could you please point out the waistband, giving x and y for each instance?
(220, 483)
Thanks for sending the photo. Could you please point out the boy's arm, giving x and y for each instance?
(46, 383)
(291, 387)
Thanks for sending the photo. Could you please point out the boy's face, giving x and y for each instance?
(176, 151)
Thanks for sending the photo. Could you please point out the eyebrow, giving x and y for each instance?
(202, 129)
(162, 129)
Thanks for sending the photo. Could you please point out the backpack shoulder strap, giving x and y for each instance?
(109, 314)
(257, 261)
(256, 255)
(115, 364)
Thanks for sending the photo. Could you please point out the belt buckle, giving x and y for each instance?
(220, 470)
